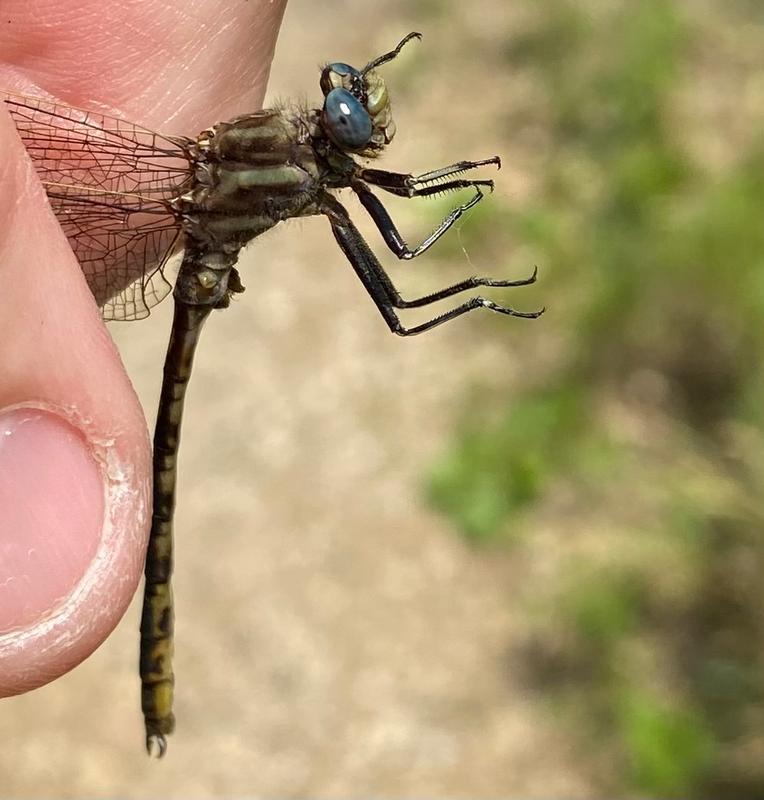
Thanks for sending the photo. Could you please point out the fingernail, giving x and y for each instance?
(51, 513)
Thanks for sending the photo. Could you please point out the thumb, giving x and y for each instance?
(74, 452)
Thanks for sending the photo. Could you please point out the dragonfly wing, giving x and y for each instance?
(137, 298)
(122, 244)
(110, 184)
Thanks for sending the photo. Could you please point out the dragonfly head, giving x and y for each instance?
(357, 115)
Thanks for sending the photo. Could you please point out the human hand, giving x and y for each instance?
(75, 458)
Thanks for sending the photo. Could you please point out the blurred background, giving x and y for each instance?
(507, 558)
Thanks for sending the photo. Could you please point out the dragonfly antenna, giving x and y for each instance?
(392, 54)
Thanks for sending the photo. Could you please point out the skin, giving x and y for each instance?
(75, 456)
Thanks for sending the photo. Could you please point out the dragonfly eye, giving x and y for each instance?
(346, 120)
(340, 76)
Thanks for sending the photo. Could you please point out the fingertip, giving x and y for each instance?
(72, 533)
(74, 450)
(49, 481)
(11, 159)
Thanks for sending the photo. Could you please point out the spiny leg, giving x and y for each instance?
(397, 301)
(463, 286)
(383, 292)
(470, 305)
(470, 283)
(397, 245)
(455, 169)
(390, 233)
(416, 186)
(405, 184)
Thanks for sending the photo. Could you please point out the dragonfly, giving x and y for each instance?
(133, 201)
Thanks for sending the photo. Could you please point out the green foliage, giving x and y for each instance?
(659, 265)
(603, 610)
(666, 745)
(669, 748)
(494, 472)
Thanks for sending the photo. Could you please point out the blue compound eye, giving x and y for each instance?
(339, 75)
(346, 120)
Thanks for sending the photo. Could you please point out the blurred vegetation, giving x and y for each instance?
(640, 446)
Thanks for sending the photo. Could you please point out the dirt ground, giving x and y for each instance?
(335, 638)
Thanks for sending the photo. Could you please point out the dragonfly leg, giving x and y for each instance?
(457, 288)
(427, 184)
(384, 294)
(407, 185)
(393, 238)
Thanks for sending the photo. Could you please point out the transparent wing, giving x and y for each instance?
(110, 184)
(122, 244)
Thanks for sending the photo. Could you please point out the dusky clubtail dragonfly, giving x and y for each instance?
(129, 199)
